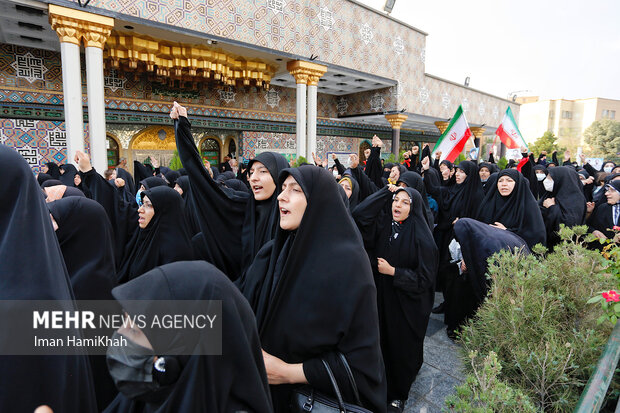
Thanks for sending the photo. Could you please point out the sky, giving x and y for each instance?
(550, 48)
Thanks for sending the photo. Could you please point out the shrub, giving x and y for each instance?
(484, 392)
(299, 161)
(175, 161)
(501, 164)
(537, 320)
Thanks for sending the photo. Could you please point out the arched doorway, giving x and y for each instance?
(211, 150)
(112, 151)
(231, 146)
(154, 142)
(363, 146)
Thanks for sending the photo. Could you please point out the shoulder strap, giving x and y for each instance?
(335, 386)
(343, 359)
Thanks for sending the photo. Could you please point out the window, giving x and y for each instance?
(609, 114)
(567, 114)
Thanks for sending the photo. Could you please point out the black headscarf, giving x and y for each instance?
(568, 194)
(602, 218)
(189, 208)
(415, 181)
(53, 170)
(262, 217)
(183, 182)
(452, 179)
(165, 239)
(141, 172)
(518, 212)
(51, 182)
(225, 176)
(232, 382)
(478, 242)
(152, 182)
(354, 199)
(32, 268)
(171, 177)
(85, 236)
(537, 187)
(490, 166)
(462, 200)
(405, 299)
(297, 321)
(41, 178)
(130, 186)
(67, 178)
(587, 188)
(237, 185)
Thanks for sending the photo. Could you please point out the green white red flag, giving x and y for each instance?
(453, 140)
(509, 133)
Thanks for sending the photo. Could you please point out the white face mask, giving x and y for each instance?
(335, 172)
(540, 177)
(608, 169)
(548, 183)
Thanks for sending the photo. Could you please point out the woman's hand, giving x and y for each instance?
(463, 266)
(280, 372)
(119, 182)
(549, 202)
(498, 225)
(425, 163)
(83, 161)
(392, 188)
(376, 142)
(178, 110)
(598, 234)
(384, 267)
(590, 207)
(354, 161)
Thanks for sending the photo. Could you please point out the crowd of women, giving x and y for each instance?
(327, 275)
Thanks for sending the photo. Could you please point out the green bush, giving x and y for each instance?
(175, 161)
(300, 160)
(537, 320)
(484, 392)
(501, 164)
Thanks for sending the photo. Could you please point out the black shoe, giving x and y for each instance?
(396, 406)
(440, 309)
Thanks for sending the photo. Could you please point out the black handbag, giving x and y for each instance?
(307, 399)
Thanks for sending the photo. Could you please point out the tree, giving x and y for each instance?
(547, 142)
(175, 161)
(604, 137)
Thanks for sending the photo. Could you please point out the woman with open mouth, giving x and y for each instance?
(226, 217)
(311, 307)
(404, 259)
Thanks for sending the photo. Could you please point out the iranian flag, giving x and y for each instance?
(508, 132)
(453, 140)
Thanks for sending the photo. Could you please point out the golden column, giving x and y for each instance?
(442, 125)
(307, 75)
(73, 27)
(396, 120)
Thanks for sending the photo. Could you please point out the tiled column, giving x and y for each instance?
(396, 120)
(95, 36)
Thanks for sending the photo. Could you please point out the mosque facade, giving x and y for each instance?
(290, 76)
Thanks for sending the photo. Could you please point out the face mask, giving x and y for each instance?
(335, 172)
(139, 198)
(608, 169)
(131, 368)
(540, 177)
(484, 180)
(548, 184)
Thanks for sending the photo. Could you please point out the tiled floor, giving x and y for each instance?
(441, 372)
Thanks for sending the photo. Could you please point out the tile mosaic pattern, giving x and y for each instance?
(38, 141)
(339, 32)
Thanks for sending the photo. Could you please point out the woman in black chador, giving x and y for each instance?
(162, 236)
(460, 200)
(32, 268)
(510, 205)
(313, 294)
(233, 226)
(85, 236)
(404, 259)
(563, 202)
(150, 374)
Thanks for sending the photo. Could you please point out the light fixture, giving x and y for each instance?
(389, 5)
